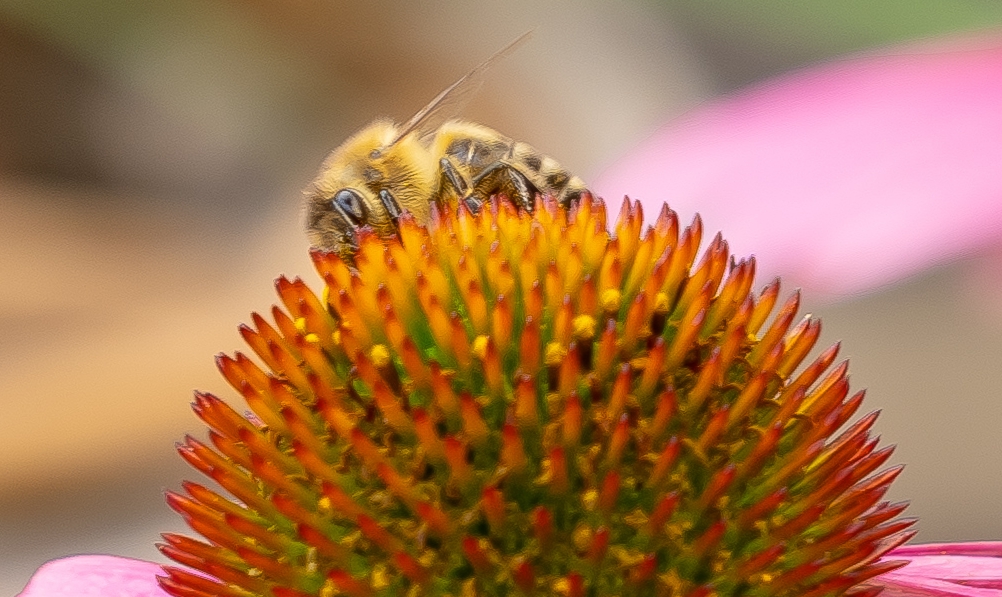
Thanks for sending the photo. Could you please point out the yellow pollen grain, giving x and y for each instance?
(324, 505)
(661, 302)
(336, 337)
(674, 582)
(300, 324)
(328, 590)
(583, 327)
(480, 347)
(380, 577)
(636, 518)
(469, 588)
(380, 356)
(610, 300)
(312, 338)
(581, 537)
(554, 354)
(675, 532)
(546, 476)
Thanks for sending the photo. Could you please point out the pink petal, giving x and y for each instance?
(95, 576)
(992, 549)
(845, 176)
(946, 570)
(908, 586)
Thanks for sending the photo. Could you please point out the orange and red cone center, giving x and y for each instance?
(521, 403)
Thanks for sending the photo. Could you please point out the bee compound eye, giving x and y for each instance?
(349, 204)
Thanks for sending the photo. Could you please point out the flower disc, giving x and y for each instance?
(525, 403)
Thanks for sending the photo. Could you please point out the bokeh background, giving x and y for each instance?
(152, 156)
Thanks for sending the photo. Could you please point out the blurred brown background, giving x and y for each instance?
(151, 160)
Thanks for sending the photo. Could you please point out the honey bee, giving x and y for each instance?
(387, 169)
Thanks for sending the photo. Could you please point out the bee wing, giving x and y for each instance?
(466, 86)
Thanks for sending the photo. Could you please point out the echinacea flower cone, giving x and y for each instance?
(525, 404)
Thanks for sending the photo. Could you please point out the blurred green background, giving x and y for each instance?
(151, 160)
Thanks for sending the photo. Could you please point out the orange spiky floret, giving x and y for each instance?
(523, 403)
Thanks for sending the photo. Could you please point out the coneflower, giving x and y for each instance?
(517, 403)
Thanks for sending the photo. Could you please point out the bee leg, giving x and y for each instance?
(570, 199)
(454, 187)
(452, 180)
(473, 203)
(391, 206)
(505, 179)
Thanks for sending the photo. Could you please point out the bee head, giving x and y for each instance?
(333, 221)
(369, 181)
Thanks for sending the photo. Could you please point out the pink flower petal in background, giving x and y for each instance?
(95, 576)
(844, 176)
(945, 570)
(933, 570)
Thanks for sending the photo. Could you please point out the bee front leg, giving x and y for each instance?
(391, 206)
(502, 178)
